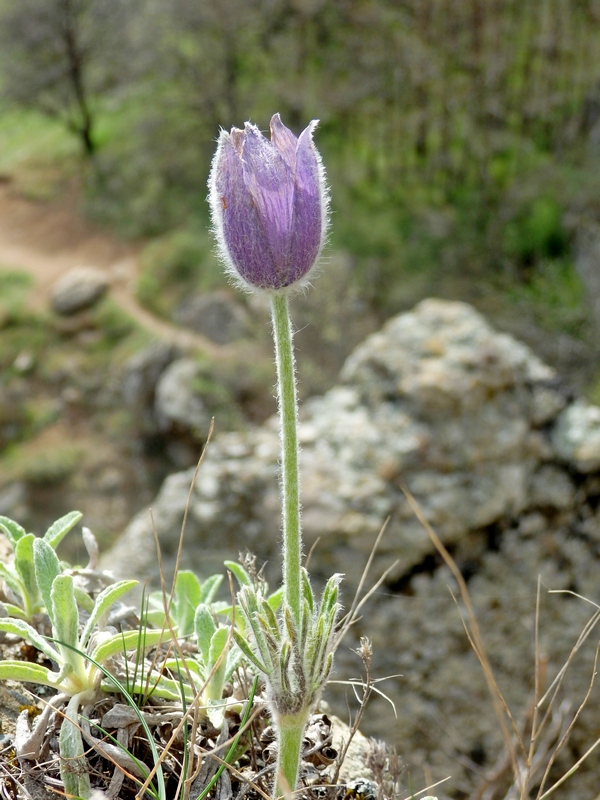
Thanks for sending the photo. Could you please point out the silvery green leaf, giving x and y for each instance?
(104, 601)
(330, 593)
(269, 615)
(83, 599)
(26, 671)
(241, 574)
(234, 659)
(185, 601)
(276, 599)
(12, 529)
(307, 590)
(155, 617)
(215, 711)
(74, 769)
(218, 654)
(204, 626)
(11, 579)
(249, 653)
(129, 640)
(21, 628)
(13, 611)
(264, 641)
(188, 584)
(26, 570)
(290, 625)
(190, 665)
(66, 617)
(210, 587)
(47, 568)
(59, 529)
(271, 640)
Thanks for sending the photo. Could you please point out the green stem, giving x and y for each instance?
(290, 481)
(290, 733)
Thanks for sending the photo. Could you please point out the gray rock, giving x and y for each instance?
(13, 501)
(436, 401)
(576, 437)
(216, 315)
(177, 399)
(78, 289)
(551, 487)
(139, 381)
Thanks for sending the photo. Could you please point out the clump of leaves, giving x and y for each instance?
(20, 582)
(179, 610)
(192, 612)
(80, 652)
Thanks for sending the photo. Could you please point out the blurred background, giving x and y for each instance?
(462, 143)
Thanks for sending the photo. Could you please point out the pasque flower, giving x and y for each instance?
(269, 204)
(269, 208)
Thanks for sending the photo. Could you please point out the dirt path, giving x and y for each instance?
(48, 240)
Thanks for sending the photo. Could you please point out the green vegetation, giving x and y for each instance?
(174, 266)
(14, 287)
(458, 137)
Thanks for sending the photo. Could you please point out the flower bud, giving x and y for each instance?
(269, 205)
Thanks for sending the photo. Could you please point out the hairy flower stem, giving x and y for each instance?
(290, 731)
(290, 479)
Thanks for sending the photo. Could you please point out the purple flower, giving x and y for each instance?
(269, 204)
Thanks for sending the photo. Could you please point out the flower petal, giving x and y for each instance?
(239, 228)
(285, 141)
(309, 200)
(271, 184)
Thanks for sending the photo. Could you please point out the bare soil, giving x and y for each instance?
(49, 239)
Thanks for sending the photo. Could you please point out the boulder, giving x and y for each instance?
(78, 289)
(141, 376)
(216, 315)
(177, 401)
(493, 449)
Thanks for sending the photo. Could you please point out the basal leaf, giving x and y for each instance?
(59, 529)
(249, 653)
(13, 611)
(12, 529)
(47, 568)
(25, 671)
(210, 587)
(74, 769)
(186, 600)
(25, 568)
(218, 654)
(204, 627)
(129, 640)
(104, 601)
(276, 599)
(11, 579)
(241, 574)
(84, 601)
(21, 628)
(66, 617)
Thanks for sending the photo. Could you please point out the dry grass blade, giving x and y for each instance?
(588, 628)
(357, 603)
(187, 508)
(472, 627)
(564, 738)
